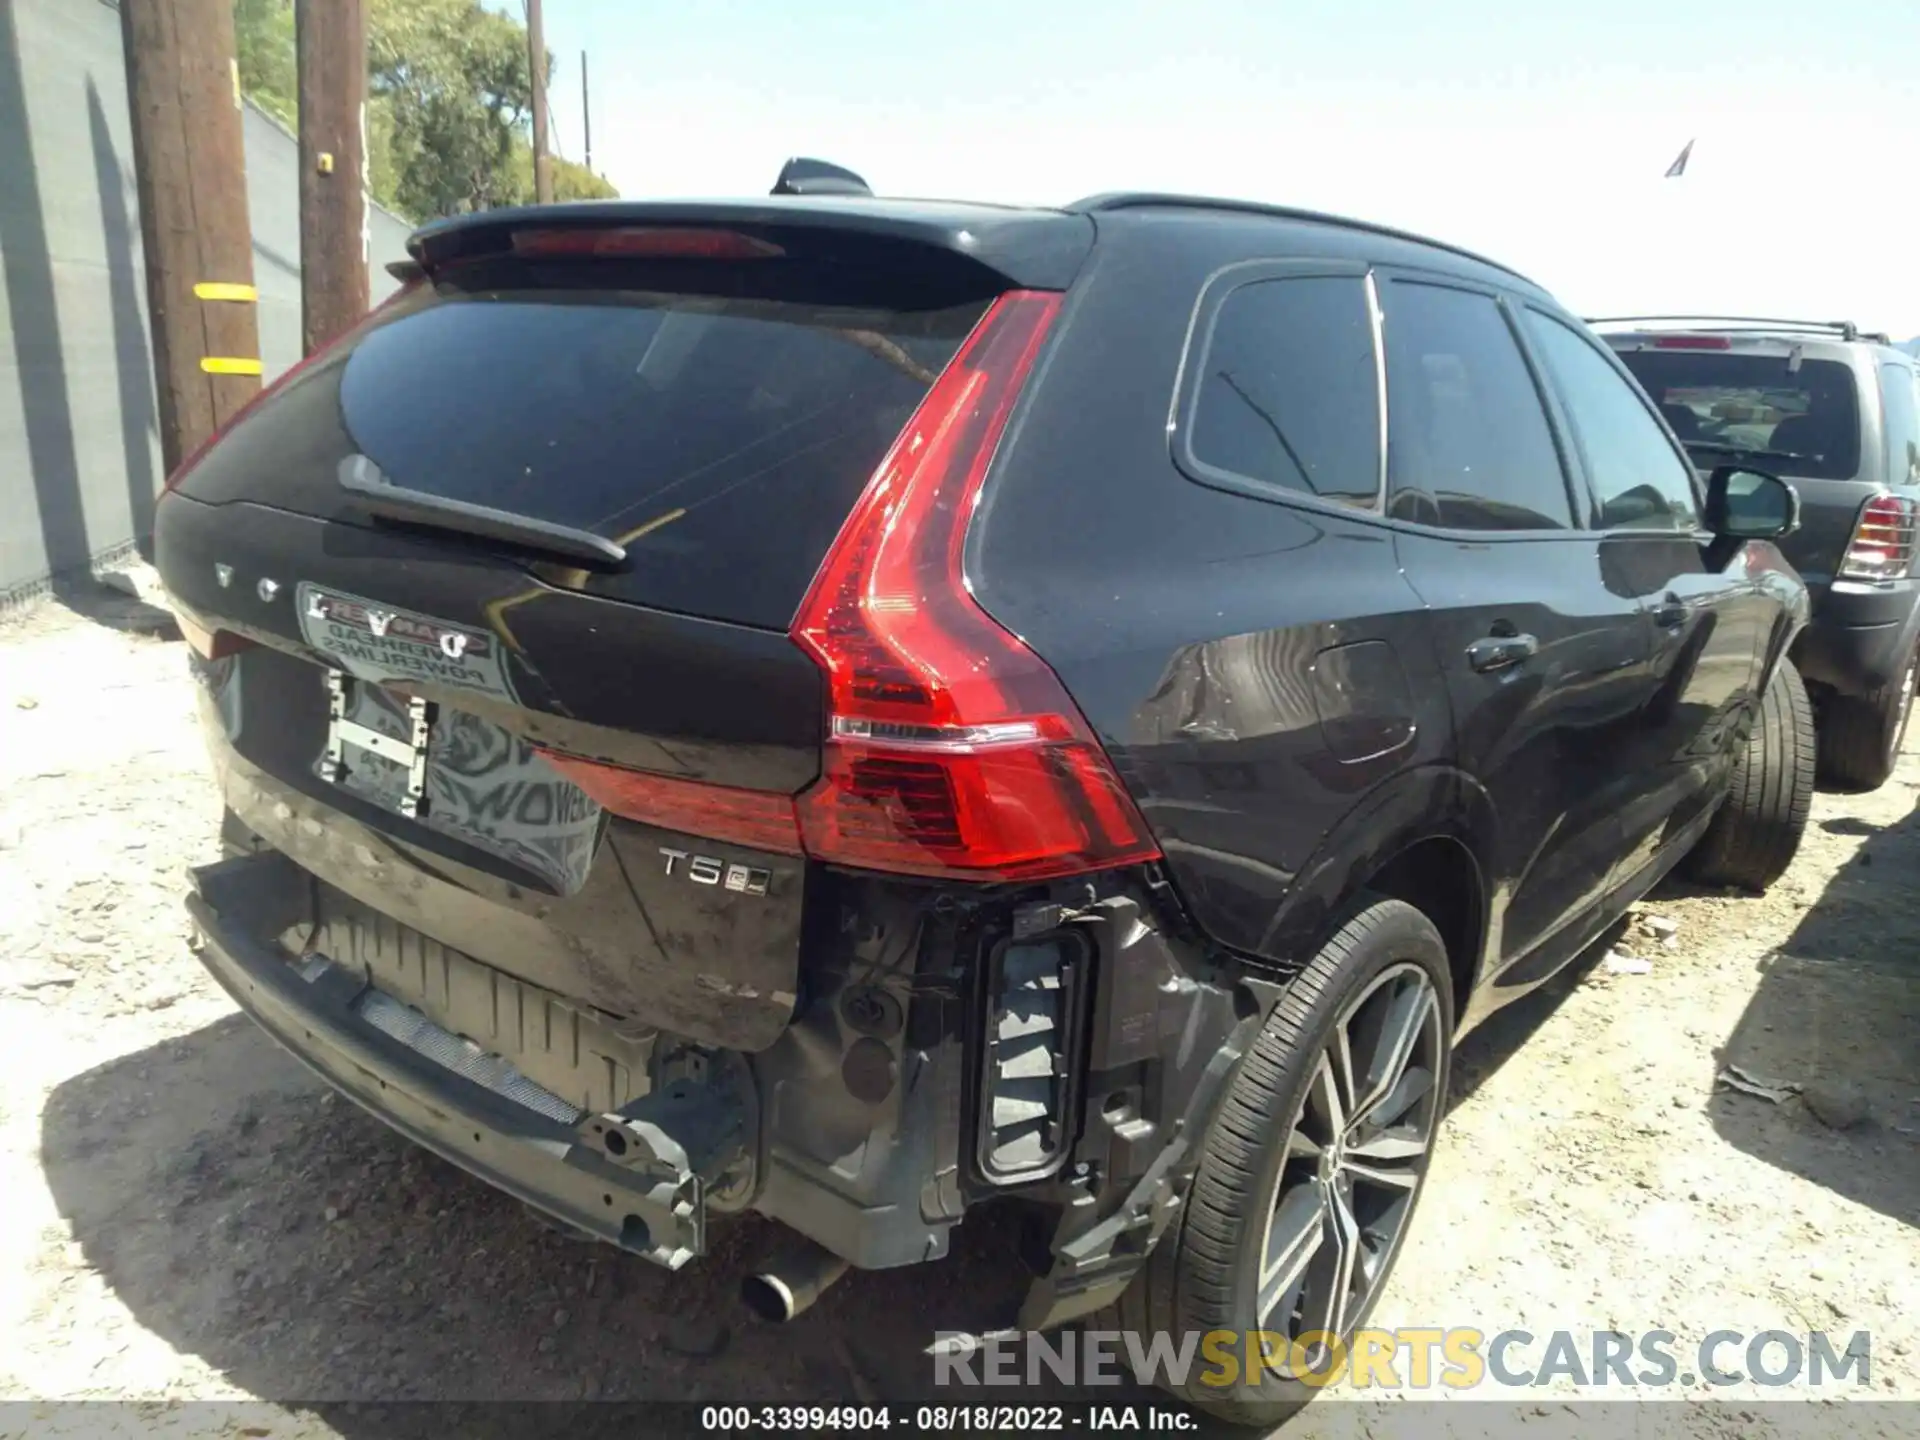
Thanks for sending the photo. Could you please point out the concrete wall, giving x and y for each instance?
(79, 451)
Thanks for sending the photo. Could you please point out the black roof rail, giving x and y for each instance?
(1845, 329)
(1142, 200)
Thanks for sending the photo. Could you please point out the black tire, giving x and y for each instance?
(1757, 832)
(1861, 735)
(1205, 1273)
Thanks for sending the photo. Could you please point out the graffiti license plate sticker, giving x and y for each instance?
(379, 643)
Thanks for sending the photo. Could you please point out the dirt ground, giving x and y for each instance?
(189, 1215)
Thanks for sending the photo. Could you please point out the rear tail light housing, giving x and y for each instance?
(952, 750)
(758, 819)
(1883, 540)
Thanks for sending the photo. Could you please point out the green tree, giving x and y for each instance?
(454, 79)
(263, 30)
(449, 100)
(573, 181)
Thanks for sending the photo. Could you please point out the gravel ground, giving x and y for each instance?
(191, 1216)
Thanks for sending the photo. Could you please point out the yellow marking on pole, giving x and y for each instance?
(225, 290)
(230, 365)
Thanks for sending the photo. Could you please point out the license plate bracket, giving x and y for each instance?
(410, 753)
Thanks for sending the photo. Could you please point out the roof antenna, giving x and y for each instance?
(800, 176)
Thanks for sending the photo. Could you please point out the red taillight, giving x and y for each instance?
(1693, 342)
(643, 242)
(952, 750)
(755, 818)
(1883, 540)
(280, 382)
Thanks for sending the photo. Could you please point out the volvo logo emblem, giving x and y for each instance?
(378, 621)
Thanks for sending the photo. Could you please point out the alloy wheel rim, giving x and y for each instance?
(1357, 1152)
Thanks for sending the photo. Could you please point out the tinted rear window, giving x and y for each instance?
(722, 441)
(1798, 420)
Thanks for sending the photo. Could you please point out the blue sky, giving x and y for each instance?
(1535, 132)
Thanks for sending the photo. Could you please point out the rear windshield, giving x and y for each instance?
(723, 441)
(1799, 419)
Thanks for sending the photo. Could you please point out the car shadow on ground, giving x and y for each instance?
(1837, 1012)
(248, 1216)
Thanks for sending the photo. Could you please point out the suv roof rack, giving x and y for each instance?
(1845, 329)
(1144, 199)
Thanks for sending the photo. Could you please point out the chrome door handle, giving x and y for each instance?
(1501, 652)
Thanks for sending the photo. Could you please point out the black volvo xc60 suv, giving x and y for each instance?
(850, 709)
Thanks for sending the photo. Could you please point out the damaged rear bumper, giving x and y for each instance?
(902, 1093)
(636, 1179)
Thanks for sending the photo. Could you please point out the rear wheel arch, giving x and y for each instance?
(1441, 878)
(1418, 838)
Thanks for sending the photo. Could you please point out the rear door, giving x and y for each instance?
(521, 553)
(1544, 652)
(1710, 623)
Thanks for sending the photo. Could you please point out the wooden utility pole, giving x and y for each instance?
(536, 56)
(190, 162)
(537, 60)
(586, 112)
(331, 36)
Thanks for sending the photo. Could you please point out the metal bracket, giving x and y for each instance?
(411, 752)
(684, 1141)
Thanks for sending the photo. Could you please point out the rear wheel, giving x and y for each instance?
(1310, 1170)
(1757, 832)
(1861, 735)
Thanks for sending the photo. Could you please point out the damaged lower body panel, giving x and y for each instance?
(642, 1176)
(948, 1048)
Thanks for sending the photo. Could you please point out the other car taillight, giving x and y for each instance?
(1883, 540)
(952, 750)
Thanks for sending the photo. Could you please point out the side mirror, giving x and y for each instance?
(1745, 504)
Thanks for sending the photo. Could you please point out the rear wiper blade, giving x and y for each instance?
(1716, 447)
(439, 512)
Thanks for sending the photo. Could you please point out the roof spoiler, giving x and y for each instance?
(801, 176)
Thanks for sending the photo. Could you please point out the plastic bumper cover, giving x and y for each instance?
(1859, 636)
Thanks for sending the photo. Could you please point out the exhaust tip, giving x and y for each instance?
(768, 1297)
(787, 1285)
